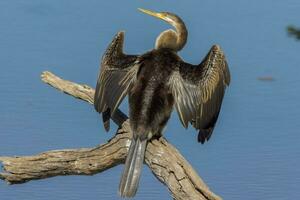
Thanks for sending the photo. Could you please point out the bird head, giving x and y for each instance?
(174, 40)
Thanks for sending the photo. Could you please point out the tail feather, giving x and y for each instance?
(133, 166)
(106, 119)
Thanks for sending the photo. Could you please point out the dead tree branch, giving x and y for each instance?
(166, 163)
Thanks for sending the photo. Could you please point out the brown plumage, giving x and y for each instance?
(155, 82)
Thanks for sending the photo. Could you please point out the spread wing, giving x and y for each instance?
(117, 74)
(198, 91)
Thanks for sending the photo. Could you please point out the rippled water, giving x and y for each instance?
(254, 151)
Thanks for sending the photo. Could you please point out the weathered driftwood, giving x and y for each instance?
(166, 163)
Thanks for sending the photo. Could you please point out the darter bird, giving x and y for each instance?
(155, 82)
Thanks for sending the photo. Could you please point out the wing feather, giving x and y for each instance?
(117, 74)
(198, 91)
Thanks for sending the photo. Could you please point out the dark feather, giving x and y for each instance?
(106, 119)
(117, 74)
(198, 91)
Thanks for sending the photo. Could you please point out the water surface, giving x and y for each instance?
(254, 151)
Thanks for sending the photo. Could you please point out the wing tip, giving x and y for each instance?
(204, 134)
(114, 48)
(216, 49)
(120, 34)
(106, 119)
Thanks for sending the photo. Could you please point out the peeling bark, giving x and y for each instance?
(165, 161)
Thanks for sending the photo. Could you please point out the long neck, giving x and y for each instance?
(173, 39)
(182, 34)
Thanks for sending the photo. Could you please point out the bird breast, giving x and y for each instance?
(150, 100)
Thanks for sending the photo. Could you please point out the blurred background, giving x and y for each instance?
(254, 151)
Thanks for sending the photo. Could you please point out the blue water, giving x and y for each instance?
(254, 151)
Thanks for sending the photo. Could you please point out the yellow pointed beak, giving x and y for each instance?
(154, 14)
